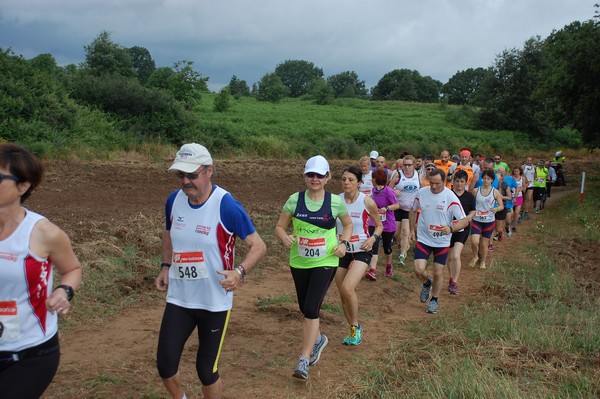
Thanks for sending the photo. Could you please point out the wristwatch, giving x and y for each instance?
(68, 289)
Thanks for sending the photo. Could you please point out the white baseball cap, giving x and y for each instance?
(190, 157)
(317, 164)
(373, 155)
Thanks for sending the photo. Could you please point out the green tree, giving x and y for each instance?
(321, 92)
(407, 85)
(104, 57)
(271, 88)
(464, 87)
(347, 84)
(512, 99)
(238, 88)
(222, 101)
(297, 76)
(142, 63)
(182, 81)
(572, 79)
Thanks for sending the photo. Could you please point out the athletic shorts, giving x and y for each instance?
(538, 193)
(400, 214)
(483, 229)
(519, 201)
(460, 236)
(350, 257)
(440, 255)
(501, 215)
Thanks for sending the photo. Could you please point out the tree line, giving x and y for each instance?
(550, 85)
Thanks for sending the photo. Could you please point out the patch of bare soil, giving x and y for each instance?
(116, 359)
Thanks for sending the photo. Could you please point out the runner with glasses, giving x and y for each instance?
(314, 252)
(405, 185)
(32, 250)
(198, 269)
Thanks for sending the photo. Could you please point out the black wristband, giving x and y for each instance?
(164, 264)
(68, 289)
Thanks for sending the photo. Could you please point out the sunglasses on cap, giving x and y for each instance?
(9, 177)
(312, 175)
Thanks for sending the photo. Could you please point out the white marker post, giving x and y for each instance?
(582, 187)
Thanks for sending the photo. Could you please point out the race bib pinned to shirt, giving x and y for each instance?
(312, 248)
(483, 215)
(188, 266)
(435, 231)
(9, 321)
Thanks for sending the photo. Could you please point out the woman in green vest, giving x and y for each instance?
(314, 252)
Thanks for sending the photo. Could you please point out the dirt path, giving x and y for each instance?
(117, 358)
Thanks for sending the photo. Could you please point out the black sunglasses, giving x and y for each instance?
(9, 177)
(312, 175)
(190, 176)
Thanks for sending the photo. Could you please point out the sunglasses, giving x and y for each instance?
(312, 175)
(190, 176)
(496, 159)
(407, 164)
(9, 177)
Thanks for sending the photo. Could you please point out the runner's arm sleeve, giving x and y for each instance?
(235, 218)
(169, 209)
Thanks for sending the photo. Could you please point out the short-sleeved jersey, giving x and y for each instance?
(25, 284)
(467, 201)
(437, 210)
(203, 240)
(383, 198)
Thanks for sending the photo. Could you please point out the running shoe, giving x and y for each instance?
(500, 237)
(474, 261)
(507, 228)
(508, 232)
(537, 210)
(482, 266)
(433, 306)
(316, 352)
(371, 275)
(355, 337)
(401, 259)
(514, 229)
(527, 215)
(301, 370)
(490, 247)
(453, 288)
(388, 271)
(495, 237)
(449, 284)
(425, 291)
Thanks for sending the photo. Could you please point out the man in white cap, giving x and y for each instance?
(198, 270)
(373, 156)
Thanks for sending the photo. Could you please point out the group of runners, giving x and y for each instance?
(431, 205)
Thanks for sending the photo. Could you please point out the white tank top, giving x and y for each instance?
(201, 246)
(483, 207)
(360, 222)
(25, 284)
(520, 186)
(367, 183)
(529, 172)
(406, 190)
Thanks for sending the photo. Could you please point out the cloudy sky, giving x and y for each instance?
(249, 38)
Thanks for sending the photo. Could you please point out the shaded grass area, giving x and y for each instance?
(532, 334)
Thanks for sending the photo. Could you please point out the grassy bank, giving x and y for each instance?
(532, 333)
